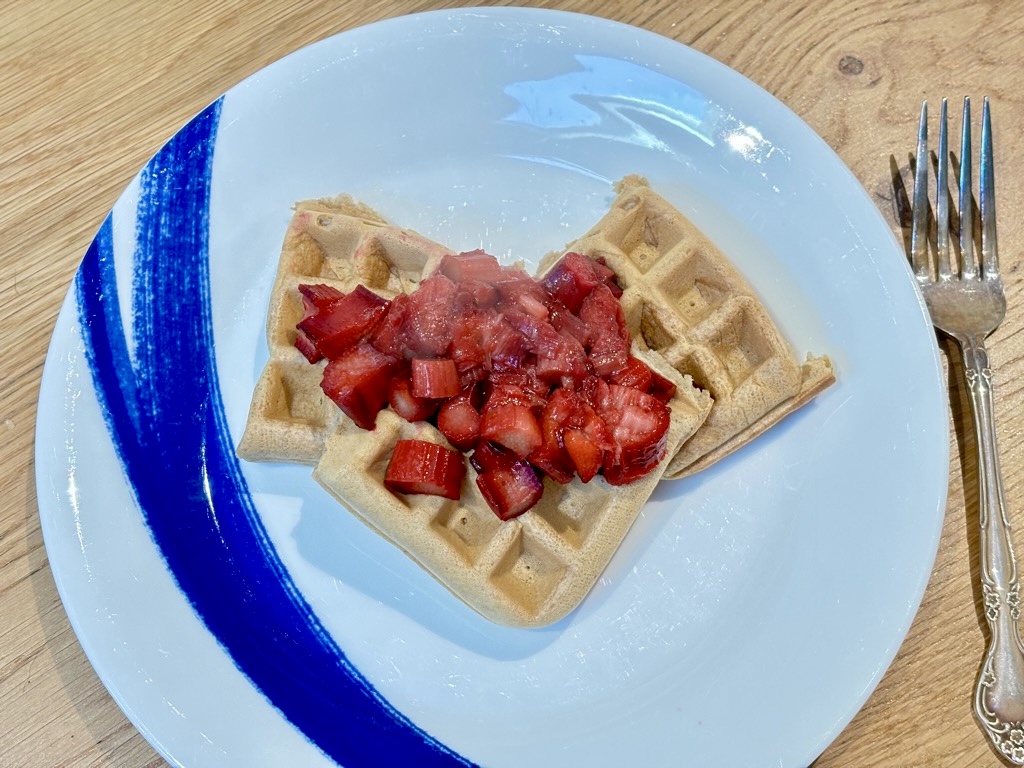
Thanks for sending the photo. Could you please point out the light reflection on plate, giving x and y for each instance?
(752, 608)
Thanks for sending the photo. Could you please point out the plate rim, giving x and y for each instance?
(51, 370)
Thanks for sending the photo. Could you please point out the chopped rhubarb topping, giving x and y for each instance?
(553, 461)
(417, 466)
(568, 324)
(567, 410)
(518, 289)
(435, 379)
(511, 388)
(507, 347)
(467, 348)
(528, 378)
(638, 375)
(473, 294)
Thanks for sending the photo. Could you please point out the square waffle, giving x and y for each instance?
(526, 572)
(684, 300)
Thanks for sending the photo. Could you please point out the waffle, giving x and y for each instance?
(525, 572)
(684, 300)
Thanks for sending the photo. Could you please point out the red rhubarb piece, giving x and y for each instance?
(471, 265)
(512, 490)
(607, 275)
(568, 324)
(638, 423)
(558, 356)
(586, 455)
(556, 413)
(507, 348)
(518, 291)
(586, 419)
(573, 278)
(592, 390)
(553, 461)
(512, 425)
(475, 294)
(635, 373)
(307, 347)
(487, 457)
(429, 317)
(406, 404)
(661, 388)
(417, 466)
(389, 334)
(509, 389)
(609, 350)
(345, 321)
(467, 348)
(638, 375)
(315, 297)
(434, 378)
(358, 382)
(561, 359)
(561, 405)
(459, 422)
(565, 409)
(521, 386)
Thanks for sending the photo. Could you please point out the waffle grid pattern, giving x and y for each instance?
(686, 301)
(693, 317)
(530, 571)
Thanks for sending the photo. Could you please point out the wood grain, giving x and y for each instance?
(91, 89)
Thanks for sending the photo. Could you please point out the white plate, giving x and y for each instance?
(240, 618)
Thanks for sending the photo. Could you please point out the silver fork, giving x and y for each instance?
(965, 299)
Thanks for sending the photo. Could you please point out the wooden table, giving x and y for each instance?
(90, 89)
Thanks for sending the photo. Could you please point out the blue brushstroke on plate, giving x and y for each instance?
(162, 404)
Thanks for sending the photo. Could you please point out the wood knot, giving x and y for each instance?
(851, 65)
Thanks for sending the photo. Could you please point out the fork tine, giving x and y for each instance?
(987, 190)
(968, 266)
(919, 224)
(942, 201)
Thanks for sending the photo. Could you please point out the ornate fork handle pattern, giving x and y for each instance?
(965, 299)
(999, 695)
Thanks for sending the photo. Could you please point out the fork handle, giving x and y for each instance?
(999, 695)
